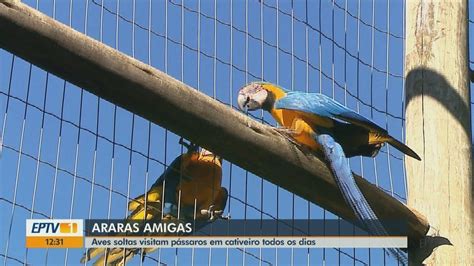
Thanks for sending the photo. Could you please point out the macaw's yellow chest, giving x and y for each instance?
(304, 125)
(202, 182)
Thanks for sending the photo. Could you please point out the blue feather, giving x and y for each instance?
(321, 105)
(350, 191)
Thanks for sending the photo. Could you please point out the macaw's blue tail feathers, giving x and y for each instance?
(351, 193)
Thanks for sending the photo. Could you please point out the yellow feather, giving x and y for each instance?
(203, 184)
(92, 253)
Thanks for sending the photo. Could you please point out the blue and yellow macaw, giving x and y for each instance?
(321, 124)
(196, 177)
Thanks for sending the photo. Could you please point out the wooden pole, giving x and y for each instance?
(165, 101)
(438, 127)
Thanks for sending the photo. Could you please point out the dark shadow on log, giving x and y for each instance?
(437, 87)
(441, 91)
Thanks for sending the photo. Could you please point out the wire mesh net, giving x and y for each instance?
(471, 61)
(67, 153)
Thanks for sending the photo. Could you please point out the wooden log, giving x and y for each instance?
(438, 125)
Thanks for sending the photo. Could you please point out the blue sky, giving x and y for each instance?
(318, 47)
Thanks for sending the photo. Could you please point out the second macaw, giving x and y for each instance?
(321, 124)
(192, 181)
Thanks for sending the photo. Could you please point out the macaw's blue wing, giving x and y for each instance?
(321, 105)
(350, 191)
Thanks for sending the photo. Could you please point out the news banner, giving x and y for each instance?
(77, 233)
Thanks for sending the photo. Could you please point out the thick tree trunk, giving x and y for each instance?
(438, 128)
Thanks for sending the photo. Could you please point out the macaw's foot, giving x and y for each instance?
(287, 133)
(168, 217)
(170, 209)
(213, 214)
(189, 146)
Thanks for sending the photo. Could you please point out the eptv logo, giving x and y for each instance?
(54, 233)
(54, 227)
(50, 227)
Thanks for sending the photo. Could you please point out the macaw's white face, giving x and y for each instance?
(252, 97)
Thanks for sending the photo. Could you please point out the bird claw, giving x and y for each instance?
(288, 134)
(214, 214)
(285, 131)
(189, 146)
(168, 217)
